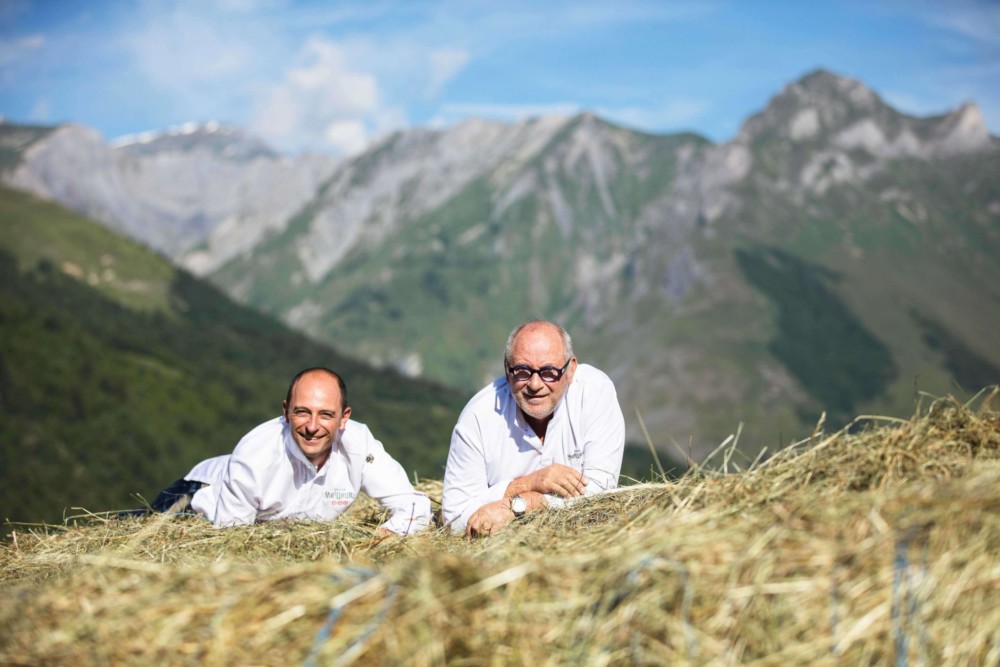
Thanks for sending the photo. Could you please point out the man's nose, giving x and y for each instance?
(535, 382)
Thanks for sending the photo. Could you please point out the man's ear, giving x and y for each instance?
(284, 409)
(347, 415)
(571, 371)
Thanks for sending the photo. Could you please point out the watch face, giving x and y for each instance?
(518, 505)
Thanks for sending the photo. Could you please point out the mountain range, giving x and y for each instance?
(836, 256)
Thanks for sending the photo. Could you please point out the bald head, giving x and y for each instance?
(319, 371)
(538, 328)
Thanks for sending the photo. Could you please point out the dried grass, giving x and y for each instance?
(876, 546)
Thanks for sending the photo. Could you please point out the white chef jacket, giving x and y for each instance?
(268, 477)
(492, 444)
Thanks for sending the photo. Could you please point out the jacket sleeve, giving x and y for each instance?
(210, 473)
(603, 437)
(466, 485)
(239, 495)
(385, 481)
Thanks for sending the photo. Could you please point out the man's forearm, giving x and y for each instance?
(534, 500)
(518, 487)
(562, 480)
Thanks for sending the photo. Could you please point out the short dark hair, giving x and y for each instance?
(318, 369)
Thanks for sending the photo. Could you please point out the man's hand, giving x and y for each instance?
(556, 478)
(489, 519)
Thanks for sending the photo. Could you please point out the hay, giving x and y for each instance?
(877, 546)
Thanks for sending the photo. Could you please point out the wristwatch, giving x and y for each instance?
(518, 506)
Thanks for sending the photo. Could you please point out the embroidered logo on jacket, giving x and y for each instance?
(370, 458)
(339, 497)
(576, 455)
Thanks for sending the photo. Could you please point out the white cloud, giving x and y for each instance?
(348, 136)
(248, 6)
(324, 101)
(181, 51)
(16, 49)
(41, 112)
(444, 65)
(298, 88)
(604, 13)
(278, 117)
(326, 77)
(977, 21)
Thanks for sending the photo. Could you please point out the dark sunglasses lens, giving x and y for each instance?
(549, 374)
(521, 373)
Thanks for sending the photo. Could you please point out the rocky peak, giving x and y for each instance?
(961, 131)
(837, 113)
(821, 103)
(223, 141)
(822, 87)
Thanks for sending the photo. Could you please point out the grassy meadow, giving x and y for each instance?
(875, 545)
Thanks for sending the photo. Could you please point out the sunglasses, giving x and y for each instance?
(549, 374)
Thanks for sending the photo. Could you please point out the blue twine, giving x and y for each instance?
(904, 622)
(633, 578)
(901, 565)
(914, 616)
(834, 610)
(358, 576)
(321, 636)
(390, 597)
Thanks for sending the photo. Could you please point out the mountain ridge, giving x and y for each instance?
(690, 271)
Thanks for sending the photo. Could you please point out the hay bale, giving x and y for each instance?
(862, 546)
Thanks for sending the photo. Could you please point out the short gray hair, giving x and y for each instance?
(566, 340)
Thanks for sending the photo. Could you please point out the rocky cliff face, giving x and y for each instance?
(202, 194)
(403, 178)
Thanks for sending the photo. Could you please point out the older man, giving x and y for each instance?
(309, 463)
(548, 430)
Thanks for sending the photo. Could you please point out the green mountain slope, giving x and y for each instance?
(119, 372)
(909, 261)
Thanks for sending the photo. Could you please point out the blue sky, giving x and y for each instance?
(334, 76)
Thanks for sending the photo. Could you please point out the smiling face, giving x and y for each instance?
(539, 345)
(316, 415)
